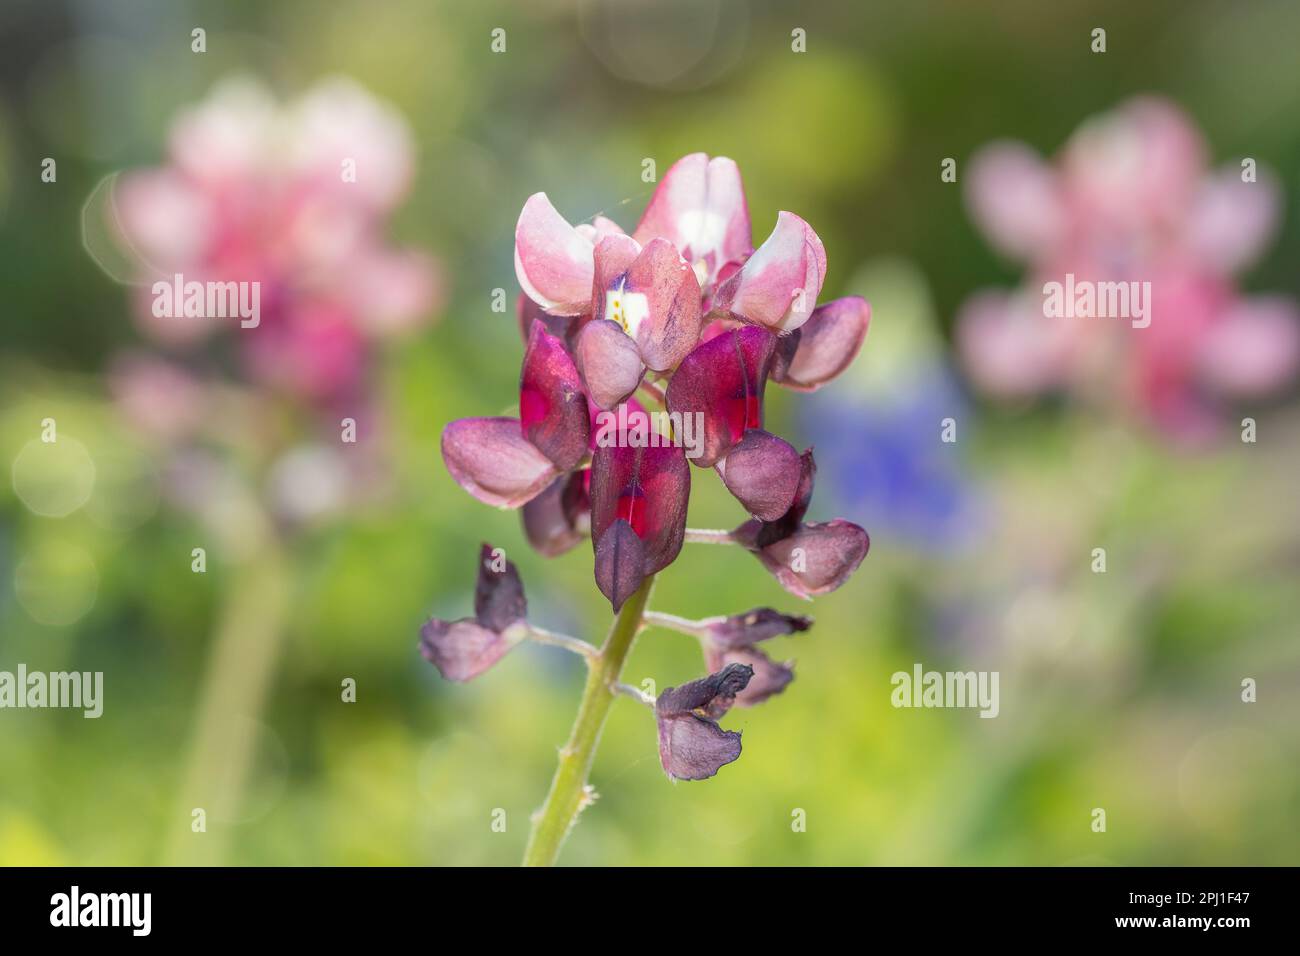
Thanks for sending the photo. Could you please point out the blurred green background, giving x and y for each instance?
(1119, 691)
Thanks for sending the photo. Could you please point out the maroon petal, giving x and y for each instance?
(609, 362)
(743, 630)
(824, 346)
(463, 649)
(552, 405)
(770, 677)
(499, 598)
(817, 558)
(491, 459)
(763, 472)
(723, 380)
(693, 746)
(620, 563)
(646, 487)
(558, 519)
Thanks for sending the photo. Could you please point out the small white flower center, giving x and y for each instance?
(628, 309)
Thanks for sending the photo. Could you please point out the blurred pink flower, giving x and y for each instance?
(295, 198)
(1130, 199)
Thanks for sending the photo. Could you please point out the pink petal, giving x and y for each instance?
(1254, 350)
(763, 472)
(609, 362)
(1015, 199)
(779, 284)
(491, 459)
(553, 261)
(552, 405)
(655, 299)
(700, 208)
(1009, 349)
(723, 380)
(1230, 222)
(824, 347)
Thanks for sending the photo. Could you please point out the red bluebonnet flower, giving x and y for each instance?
(685, 313)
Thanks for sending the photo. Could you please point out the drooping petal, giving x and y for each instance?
(770, 677)
(763, 472)
(559, 518)
(552, 405)
(461, 650)
(1016, 200)
(620, 563)
(553, 261)
(608, 361)
(499, 599)
(1254, 349)
(691, 746)
(491, 459)
(759, 624)
(779, 284)
(824, 346)
(646, 487)
(699, 206)
(723, 380)
(1230, 221)
(817, 558)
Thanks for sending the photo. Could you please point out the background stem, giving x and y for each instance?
(569, 791)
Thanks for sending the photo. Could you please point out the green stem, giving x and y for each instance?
(569, 791)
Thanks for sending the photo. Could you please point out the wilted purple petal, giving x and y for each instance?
(759, 624)
(692, 746)
(491, 459)
(498, 593)
(461, 650)
(770, 677)
(763, 471)
(779, 284)
(824, 347)
(724, 380)
(552, 405)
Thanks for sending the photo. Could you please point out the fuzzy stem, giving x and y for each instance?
(576, 645)
(569, 792)
(674, 623)
(708, 536)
